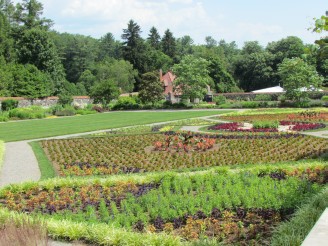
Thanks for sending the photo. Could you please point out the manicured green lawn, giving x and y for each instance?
(32, 129)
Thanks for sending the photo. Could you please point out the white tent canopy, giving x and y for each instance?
(270, 90)
(280, 89)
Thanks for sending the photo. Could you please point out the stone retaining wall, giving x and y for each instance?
(47, 102)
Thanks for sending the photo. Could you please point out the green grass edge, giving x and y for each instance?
(294, 231)
(2, 153)
(46, 168)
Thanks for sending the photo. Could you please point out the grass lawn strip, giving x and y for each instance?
(2, 153)
(46, 168)
(34, 129)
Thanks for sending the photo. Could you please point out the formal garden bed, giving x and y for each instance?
(154, 185)
(128, 154)
(228, 207)
(267, 126)
(320, 115)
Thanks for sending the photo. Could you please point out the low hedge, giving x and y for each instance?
(294, 232)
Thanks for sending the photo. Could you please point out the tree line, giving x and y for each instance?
(36, 61)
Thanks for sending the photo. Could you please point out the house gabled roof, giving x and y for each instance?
(168, 78)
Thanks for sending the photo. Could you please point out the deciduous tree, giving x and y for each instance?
(104, 91)
(193, 77)
(298, 77)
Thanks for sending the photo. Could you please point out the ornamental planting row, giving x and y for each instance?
(126, 154)
(293, 126)
(307, 116)
(231, 208)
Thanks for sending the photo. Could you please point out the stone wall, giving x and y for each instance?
(80, 101)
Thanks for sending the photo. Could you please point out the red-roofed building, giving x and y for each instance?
(167, 80)
(172, 94)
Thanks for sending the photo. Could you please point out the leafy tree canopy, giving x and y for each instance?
(298, 77)
(104, 91)
(193, 77)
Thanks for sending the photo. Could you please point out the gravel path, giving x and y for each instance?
(319, 134)
(19, 164)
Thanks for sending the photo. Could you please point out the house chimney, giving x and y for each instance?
(160, 75)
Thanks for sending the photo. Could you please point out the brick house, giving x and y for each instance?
(171, 94)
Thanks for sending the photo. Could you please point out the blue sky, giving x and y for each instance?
(234, 20)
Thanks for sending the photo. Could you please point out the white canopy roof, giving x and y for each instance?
(270, 89)
(280, 89)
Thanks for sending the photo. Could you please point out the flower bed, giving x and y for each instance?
(184, 142)
(302, 126)
(236, 127)
(229, 207)
(126, 154)
(307, 116)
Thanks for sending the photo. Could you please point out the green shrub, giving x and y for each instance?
(250, 104)
(272, 104)
(324, 98)
(263, 97)
(65, 99)
(9, 104)
(4, 116)
(33, 112)
(126, 103)
(265, 124)
(85, 111)
(220, 99)
(66, 111)
(204, 105)
(282, 98)
(53, 109)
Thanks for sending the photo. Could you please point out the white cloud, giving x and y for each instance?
(112, 16)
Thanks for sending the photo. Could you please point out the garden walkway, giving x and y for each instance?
(320, 134)
(19, 165)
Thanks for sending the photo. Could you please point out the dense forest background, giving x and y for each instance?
(36, 61)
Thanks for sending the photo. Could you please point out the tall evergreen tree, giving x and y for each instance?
(154, 39)
(134, 48)
(28, 15)
(169, 44)
(6, 41)
(109, 47)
